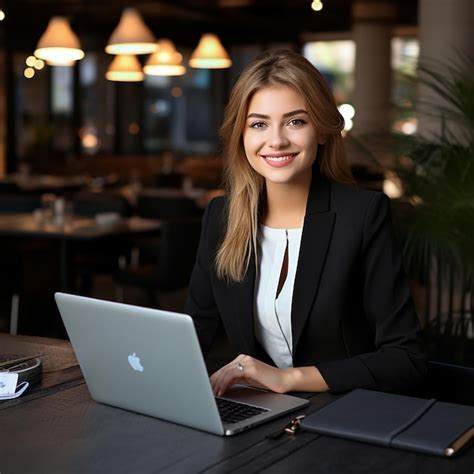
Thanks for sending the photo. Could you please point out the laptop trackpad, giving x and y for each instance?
(262, 398)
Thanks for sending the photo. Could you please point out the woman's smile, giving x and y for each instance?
(279, 160)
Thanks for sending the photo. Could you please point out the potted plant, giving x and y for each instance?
(435, 215)
(437, 175)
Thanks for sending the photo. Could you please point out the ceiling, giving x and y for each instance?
(235, 21)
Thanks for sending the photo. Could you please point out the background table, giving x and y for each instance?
(63, 430)
(24, 226)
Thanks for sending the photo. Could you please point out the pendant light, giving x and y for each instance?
(131, 36)
(210, 54)
(166, 61)
(59, 45)
(125, 68)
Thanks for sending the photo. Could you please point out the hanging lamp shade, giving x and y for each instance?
(131, 36)
(166, 61)
(59, 45)
(125, 68)
(210, 54)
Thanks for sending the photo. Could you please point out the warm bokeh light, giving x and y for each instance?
(317, 5)
(89, 140)
(2, 15)
(29, 72)
(392, 187)
(176, 91)
(134, 128)
(30, 61)
(39, 64)
(347, 111)
(407, 126)
(348, 124)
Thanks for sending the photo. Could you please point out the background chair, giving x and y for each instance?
(174, 261)
(101, 257)
(12, 203)
(89, 204)
(168, 180)
(161, 207)
(158, 207)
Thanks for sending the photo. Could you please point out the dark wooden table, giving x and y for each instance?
(60, 367)
(24, 226)
(62, 430)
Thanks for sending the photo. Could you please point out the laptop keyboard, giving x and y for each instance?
(233, 412)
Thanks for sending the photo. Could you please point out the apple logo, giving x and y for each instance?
(134, 362)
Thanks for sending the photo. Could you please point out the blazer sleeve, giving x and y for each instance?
(200, 302)
(399, 362)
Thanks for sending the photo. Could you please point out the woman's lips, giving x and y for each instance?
(279, 160)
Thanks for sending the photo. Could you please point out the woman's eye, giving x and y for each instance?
(257, 125)
(296, 122)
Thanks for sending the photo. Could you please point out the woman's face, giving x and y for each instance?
(280, 142)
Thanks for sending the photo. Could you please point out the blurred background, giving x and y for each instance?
(109, 148)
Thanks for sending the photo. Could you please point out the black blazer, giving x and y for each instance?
(352, 313)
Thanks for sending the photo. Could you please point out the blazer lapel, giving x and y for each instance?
(315, 240)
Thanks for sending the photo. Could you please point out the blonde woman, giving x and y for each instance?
(299, 266)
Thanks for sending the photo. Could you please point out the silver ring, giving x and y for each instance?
(240, 367)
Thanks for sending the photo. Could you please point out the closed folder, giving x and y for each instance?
(415, 424)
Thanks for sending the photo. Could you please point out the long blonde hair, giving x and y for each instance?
(244, 186)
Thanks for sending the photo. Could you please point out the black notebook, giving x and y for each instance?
(415, 424)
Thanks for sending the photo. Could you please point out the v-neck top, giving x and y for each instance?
(272, 312)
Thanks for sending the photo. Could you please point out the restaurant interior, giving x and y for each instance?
(110, 150)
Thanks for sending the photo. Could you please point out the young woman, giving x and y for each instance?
(299, 266)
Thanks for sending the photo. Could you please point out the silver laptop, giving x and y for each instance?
(149, 361)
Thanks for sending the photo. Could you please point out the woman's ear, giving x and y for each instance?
(322, 139)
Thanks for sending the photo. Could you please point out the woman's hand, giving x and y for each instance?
(250, 371)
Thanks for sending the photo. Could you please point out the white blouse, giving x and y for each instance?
(273, 314)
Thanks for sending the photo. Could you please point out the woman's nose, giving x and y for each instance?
(278, 139)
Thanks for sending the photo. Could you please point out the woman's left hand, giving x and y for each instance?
(250, 371)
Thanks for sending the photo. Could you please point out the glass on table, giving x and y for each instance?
(63, 212)
(48, 207)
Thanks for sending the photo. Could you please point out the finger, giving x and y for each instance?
(217, 376)
(214, 379)
(229, 378)
(229, 375)
(232, 373)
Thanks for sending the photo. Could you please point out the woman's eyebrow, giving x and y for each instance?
(286, 115)
(295, 112)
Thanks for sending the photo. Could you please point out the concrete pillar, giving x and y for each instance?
(372, 27)
(444, 27)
